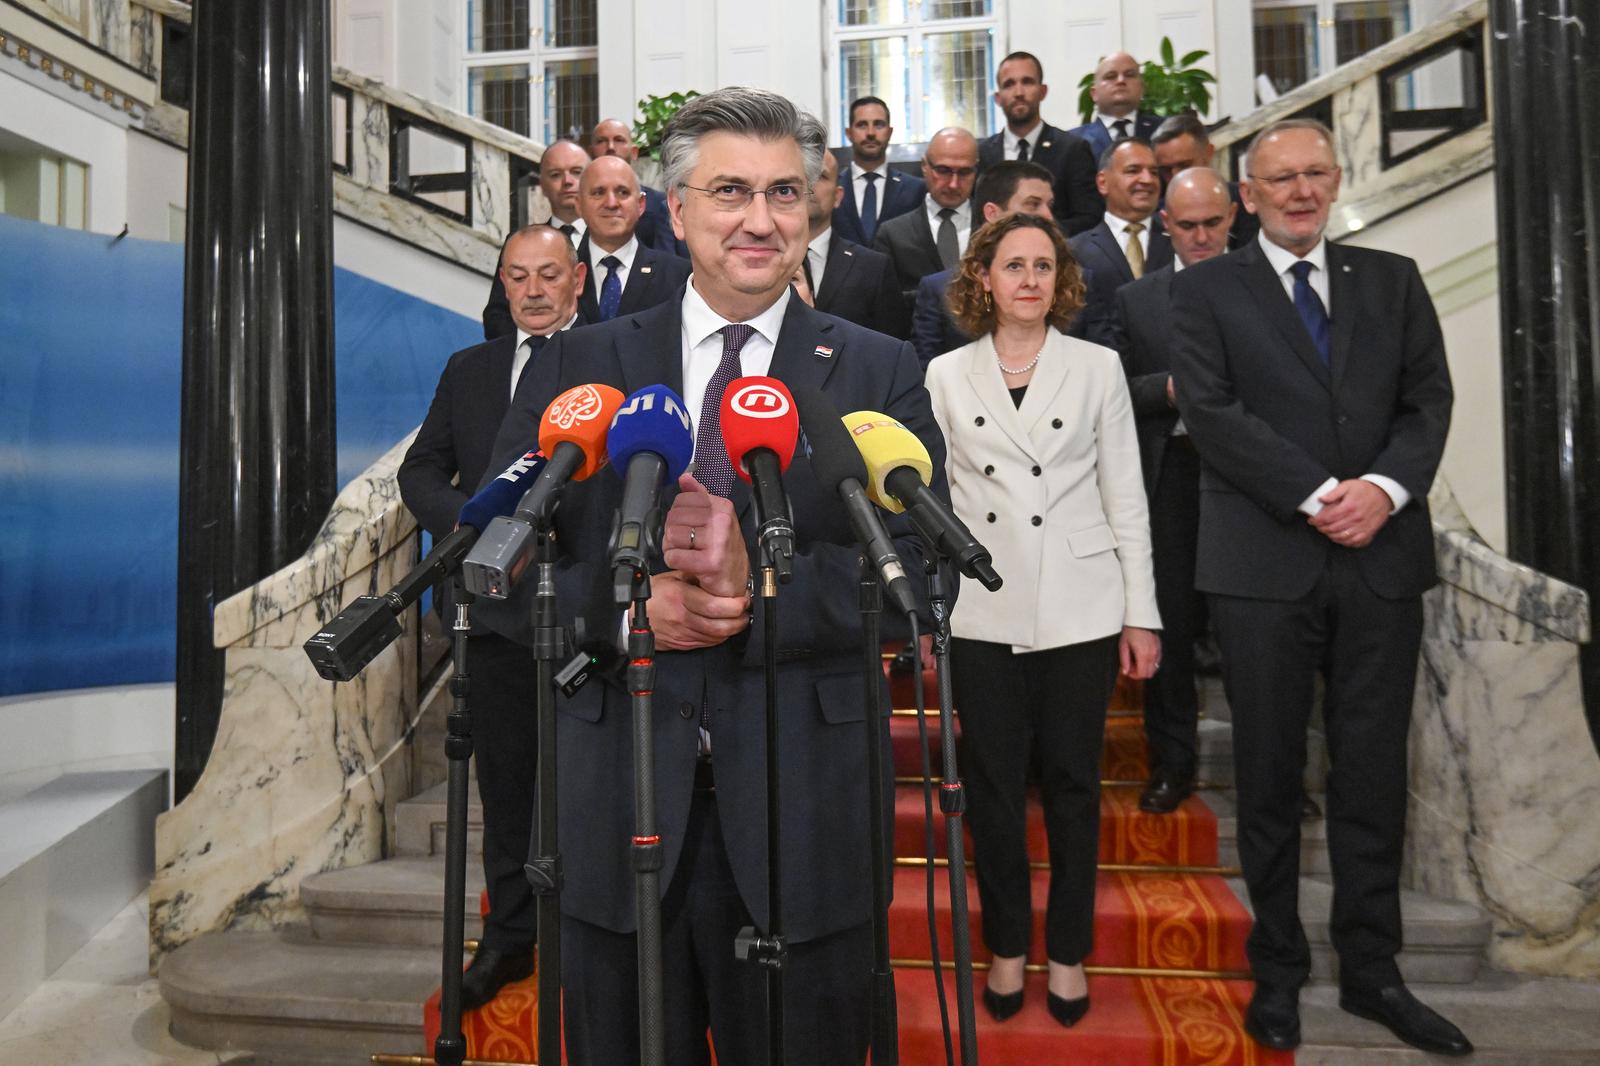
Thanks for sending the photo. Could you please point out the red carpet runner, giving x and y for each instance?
(1169, 936)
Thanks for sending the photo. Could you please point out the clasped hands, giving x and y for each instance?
(1352, 513)
(701, 599)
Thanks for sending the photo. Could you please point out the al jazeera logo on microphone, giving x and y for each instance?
(581, 404)
(759, 400)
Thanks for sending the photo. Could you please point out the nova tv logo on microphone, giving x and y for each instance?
(760, 401)
(581, 404)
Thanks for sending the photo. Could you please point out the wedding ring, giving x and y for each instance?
(691, 538)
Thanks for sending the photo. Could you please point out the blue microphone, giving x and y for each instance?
(652, 439)
(499, 497)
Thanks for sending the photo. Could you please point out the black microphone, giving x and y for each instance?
(838, 463)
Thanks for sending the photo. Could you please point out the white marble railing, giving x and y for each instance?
(1505, 779)
(1353, 94)
(304, 774)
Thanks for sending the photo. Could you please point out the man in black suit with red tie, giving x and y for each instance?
(1019, 90)
(1312, 378)
(623, 275)
(445, 463)
(738, 165)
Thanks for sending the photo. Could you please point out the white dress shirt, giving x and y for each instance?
(1119, 230)
(625, 256)
(1011, 140)
(520, 360)
(1283, 261)
(1107, 121)
(817, 256)
(702, 344)
(858, 179)
(578, 224)
(961, 220)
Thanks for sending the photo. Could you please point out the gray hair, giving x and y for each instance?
(535, 228)
(1184, 125)
(749, 112)
(1287, 124)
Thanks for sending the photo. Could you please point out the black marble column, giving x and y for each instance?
(257, 471)
(1547, 175)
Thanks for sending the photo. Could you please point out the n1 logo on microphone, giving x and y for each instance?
(645, 400)
(580, 404)
(760, 401)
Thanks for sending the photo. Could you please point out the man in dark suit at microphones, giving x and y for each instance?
(446, 461)
(845, 278)
(1312, 379)
(738, 165)
(873, 191)
(623, 275)
(1197, 217)
(1019, 90)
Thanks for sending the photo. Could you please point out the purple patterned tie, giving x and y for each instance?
(712, 467)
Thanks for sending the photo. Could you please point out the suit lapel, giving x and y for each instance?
(1343, 293)
(1265, 286)
(654, 348)
(641, 280)
(1049, 377)
(834, 271)
(589, 298)
(983, 371)
(926, 248)
(1107, 241)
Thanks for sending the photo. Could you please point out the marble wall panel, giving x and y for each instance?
(491, 191)
(1358, 134)
(109, 27)
(369, 142)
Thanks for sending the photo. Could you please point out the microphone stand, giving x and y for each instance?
(885, 1022)
(953, 803)
(771, 950)
(450, 1048)
(646, 843)
(543, 868)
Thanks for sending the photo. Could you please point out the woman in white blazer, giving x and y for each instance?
(1043, 466)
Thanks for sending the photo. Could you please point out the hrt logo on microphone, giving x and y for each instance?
(760, 401)
(521, 466)
(581, 404)
(646, 401)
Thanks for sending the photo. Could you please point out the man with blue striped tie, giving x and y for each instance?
(624, 276)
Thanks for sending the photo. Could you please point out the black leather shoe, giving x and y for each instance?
(1001, 1007)
(491, 971)
(1407, 1017)
(1067, 1011)
(1273, 1018)
(1166, 790)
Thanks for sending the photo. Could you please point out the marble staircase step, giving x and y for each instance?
(290, 998)
(1444, 939)
(1313, 834)
(396, 901)
(420, 822)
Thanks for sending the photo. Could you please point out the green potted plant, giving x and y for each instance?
(1171, 87)
(654, 111)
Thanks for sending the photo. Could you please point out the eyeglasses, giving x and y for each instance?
(1284, 182)
(953, 172)
(731, 196)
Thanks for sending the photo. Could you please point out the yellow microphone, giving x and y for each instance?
(898, 473)
(886, 445)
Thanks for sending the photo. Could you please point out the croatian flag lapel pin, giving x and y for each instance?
(824, 351)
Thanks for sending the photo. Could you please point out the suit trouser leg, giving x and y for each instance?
(1371, 679)
(1271, 651)
(505, 746)
(1171, 705)
(991, 696)
(826, 981)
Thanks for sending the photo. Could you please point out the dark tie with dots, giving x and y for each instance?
(712, 467)
(869, 206)
(1312, 312)
(1022, 149)
(569, 231)
(1121, 128)
(610, 289)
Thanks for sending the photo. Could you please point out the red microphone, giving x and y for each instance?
(759, 428)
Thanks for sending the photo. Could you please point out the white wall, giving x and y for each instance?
(158, 188)
(414, 272)
(77, 134)
(84, 729)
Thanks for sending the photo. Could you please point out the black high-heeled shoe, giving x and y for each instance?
(1001, 1007)
(1067, 1011)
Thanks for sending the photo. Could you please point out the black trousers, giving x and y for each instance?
(1367, 648)
(827, 982)
(1057, 700)
(1171, 706)
(505, 746)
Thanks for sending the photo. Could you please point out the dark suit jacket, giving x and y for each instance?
(908, 242)
(1272, 423)
(655, 225)
(1145, 338)
(655, 276)
(1098, 250)
(858, 284)
(898, 194)
(1078, 203)
(934, 330)
(1099, 138)
(825, 840)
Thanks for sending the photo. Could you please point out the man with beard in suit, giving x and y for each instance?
(623, 275)
(1312, 378)
(1019, 90)
(873, 191)
(932, 238)
(1197, 216)
(445, 463)
(846, 279)
(1117, 91)
(738, 166)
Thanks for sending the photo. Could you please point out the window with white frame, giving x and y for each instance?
(931, 61)
(1297, 40)
(531, 66)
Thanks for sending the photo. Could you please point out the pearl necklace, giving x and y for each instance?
(1021, 369)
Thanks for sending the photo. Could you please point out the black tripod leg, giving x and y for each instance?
(885, 1023)
(449, 1048)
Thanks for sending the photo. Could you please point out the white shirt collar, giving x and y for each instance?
(624, 255)
(1107, 120)
(1119, 225)
(577, 224)
(820, 242)
(1282, 259)
(962, 219)
(700, 321)
(1033, 135)
(859, 173)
